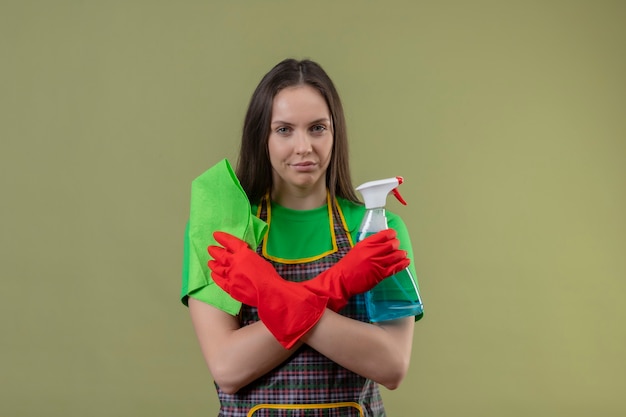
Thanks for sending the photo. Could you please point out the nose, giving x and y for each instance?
(302, 145)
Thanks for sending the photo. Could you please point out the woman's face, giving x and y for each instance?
(300, 141)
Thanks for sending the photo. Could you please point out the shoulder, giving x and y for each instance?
(395, 221)
(352, 213)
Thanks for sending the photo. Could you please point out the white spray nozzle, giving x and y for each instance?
(375, 192)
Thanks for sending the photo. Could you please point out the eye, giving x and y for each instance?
(318, 129)
(283, 130)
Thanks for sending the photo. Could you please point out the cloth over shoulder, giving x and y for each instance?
(218, 202)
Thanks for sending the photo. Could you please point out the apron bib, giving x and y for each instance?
(307, 384)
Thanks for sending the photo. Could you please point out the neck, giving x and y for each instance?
(300, 200)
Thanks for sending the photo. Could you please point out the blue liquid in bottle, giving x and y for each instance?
(394, 297)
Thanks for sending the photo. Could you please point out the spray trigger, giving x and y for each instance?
(397, 195)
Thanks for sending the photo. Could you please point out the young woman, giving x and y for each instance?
(302, 343)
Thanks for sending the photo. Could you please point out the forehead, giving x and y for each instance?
(299, 103)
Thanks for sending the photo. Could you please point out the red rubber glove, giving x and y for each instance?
(287, 309)
(365, 265)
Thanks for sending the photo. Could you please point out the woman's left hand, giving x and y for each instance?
(240, 271)
(287, 309)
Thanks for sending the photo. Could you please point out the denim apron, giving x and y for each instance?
(307, 384)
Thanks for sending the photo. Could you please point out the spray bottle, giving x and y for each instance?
(396, 296)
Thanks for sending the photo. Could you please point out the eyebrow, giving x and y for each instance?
(280, 122)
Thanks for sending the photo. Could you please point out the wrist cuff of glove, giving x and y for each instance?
(289, 323)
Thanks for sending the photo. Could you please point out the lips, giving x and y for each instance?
(304, 166)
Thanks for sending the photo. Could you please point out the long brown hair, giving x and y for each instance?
(253, 165)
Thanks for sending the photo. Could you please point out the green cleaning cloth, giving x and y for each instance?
(218, 202)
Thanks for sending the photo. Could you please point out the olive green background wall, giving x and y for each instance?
(506, 118)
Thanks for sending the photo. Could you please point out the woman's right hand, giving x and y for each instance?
(369, 262)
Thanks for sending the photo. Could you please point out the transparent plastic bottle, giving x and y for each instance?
(396, 296)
